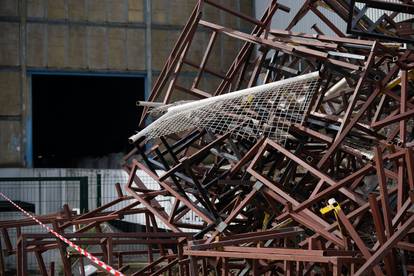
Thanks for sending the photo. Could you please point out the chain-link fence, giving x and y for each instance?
(45, 191)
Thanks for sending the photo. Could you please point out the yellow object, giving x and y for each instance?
(265, 220)
(397, 81)
(334, 206)
(249, 99)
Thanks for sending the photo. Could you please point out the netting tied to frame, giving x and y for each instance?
(265, 110)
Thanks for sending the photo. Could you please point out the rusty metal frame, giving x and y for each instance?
(259, 203)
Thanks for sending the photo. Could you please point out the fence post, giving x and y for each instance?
(83, 189)
(2, 266)
(40, 196)
(98, 190)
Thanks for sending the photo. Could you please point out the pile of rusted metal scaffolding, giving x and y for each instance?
(334, 198)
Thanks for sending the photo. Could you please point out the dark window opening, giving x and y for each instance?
(83, 121)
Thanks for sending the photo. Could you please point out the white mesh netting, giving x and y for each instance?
(158, 111)
(265, 110)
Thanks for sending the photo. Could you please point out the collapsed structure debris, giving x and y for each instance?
(331, 194)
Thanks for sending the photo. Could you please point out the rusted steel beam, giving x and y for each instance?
(379, 228)
(258, 203)
(387, 246)
(275, 257)
(174, 56)
(357, 239)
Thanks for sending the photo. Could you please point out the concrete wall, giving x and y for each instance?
(82, 36)
(60, 35)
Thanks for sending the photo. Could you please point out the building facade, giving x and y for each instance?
(80, 37)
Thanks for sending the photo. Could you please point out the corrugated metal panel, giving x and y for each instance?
(282, 19)
(374, 14)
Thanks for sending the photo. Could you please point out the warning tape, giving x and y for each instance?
(82, 251)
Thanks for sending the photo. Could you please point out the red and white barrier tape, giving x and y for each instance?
(82, 251)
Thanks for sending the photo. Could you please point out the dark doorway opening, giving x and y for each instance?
(83, 121)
